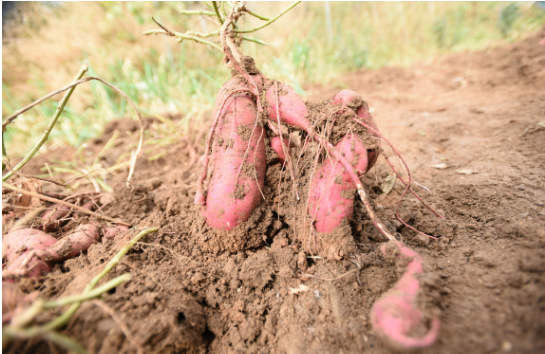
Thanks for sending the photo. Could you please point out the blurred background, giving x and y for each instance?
(45, 43)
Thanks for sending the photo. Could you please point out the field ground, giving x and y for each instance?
(481, 115)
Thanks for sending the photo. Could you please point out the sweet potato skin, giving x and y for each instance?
(18, 245)
(238, 151)
(276, 145)
(396, 313)
(291, 107)
(332, 190)
(353, 100)
(73, 244)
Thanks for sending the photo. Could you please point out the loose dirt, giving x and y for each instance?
(480, 116)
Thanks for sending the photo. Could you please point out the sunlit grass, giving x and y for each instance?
(165, 77)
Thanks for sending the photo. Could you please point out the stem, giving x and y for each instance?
(187, 36)
(261, 17)
(269, 21)
(87, 296)
(64, 341)
(56, 116)
(57, 201)
(70, 87)
(197, 12)
(216, 9)
(68, 343)
(4, 154)
(255, 40)
(67, 315)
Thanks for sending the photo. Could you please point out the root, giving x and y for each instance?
(53, 200)
(407, 185)
(284, 149)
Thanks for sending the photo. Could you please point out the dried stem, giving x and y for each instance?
(57, 201)
(135, 154)
(50, 126)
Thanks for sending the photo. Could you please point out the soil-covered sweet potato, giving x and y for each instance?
(396, 314)
(238, 164)
(332, 190)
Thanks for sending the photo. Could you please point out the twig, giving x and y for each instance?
(134, 156)
(269, 21)
(57, 201)
(216, 9)
(261, 17)
(88, 296)
(183, 36)
(64, 341)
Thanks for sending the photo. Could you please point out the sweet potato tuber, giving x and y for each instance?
(238, 163)
(276, 144)
(19, 248)
(291, 108)
(72, 245)
(332, 190)
(53, 217)
(396, 313)
(352, 100)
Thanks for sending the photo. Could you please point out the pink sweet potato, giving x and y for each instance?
(332, 190)
(53, 217)
(71, 245)
(239, 163)
(291, 107)
(351, 99)
(396, 313)
(19, 249)
(276, 145)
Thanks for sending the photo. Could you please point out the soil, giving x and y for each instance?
(477, 117)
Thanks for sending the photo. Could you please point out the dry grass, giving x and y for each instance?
(44, 50)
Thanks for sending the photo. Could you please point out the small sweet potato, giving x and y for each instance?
(332, 190)
(396, 313)
(291, 107)
(352, 100)
(53, 217)
(276, 145)
(71, 245)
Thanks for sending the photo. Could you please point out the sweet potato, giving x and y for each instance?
(19, 249)
(351, 99)
(332, 189)
(72, 245)
(53, 217)
(291, 107)
(396, 313)
(276, 145)
(238, 164)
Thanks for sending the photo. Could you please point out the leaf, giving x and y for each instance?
(465, 171)
(439, 166)
(388, 184)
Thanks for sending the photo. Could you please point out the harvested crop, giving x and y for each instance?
(332, 190)
(396, 314)
(238, 162)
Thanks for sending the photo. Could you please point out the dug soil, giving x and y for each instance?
(472, 129)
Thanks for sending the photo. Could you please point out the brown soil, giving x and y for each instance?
(196, 290)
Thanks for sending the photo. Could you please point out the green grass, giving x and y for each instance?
(165, 77)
